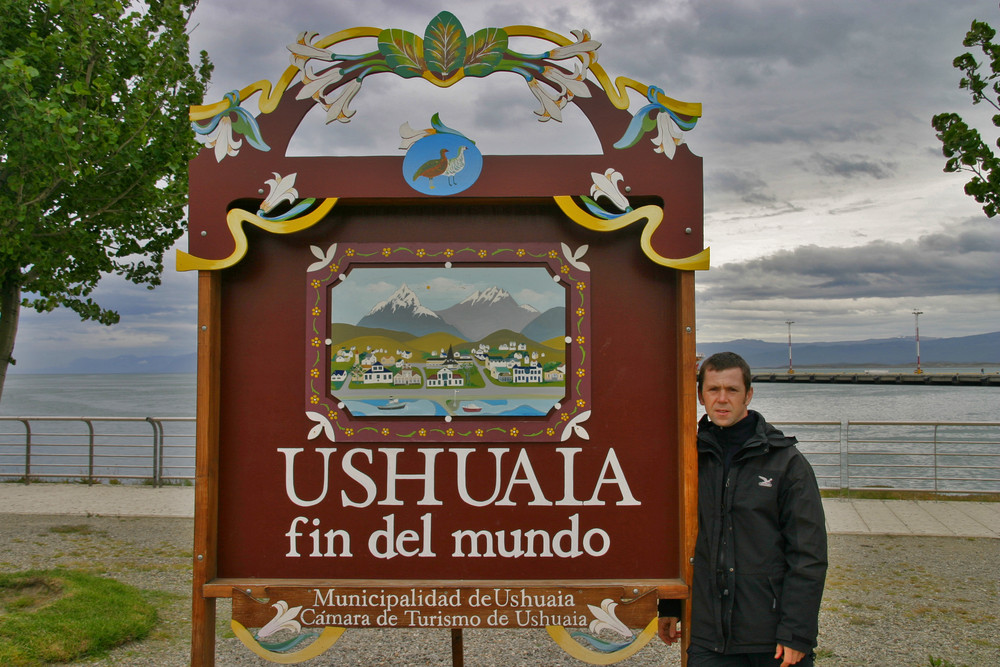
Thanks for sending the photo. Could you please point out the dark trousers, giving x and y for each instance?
(699, 656)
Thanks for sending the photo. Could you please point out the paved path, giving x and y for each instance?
(912, 517)
(843, 515)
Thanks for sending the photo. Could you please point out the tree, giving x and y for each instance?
(94, 146)
(963, 146)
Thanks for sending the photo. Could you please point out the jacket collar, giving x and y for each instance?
(763, 437)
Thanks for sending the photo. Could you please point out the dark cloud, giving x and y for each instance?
(745, 185)
(966, 262)
(851, 166)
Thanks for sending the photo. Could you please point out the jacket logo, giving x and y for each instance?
(765, 481)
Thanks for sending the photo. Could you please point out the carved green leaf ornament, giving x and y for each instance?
(444, 51)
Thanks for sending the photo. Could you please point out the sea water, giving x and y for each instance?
(173, 395)
(915, 448)
(107, 395)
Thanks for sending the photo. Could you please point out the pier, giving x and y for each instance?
(877, 377)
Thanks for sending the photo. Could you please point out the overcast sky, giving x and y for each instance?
(825, 199)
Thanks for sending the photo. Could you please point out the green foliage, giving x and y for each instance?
(963, 145)
(94, 146)
(403, 52)
(444, 44)
(444, 50)
(58, 616)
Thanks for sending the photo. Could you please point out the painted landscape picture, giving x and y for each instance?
(454, 342)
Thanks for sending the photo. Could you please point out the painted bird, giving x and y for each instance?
(433, 168)
(455, 165)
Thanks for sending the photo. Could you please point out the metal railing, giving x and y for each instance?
(95, 449)
(947, 457)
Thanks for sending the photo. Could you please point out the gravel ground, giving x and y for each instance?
(889, 601)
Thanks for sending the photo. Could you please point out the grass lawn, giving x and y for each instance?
(60, 615)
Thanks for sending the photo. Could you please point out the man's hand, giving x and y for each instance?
(668, 628)
(790, 655)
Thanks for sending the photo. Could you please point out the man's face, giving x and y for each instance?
(724, 396)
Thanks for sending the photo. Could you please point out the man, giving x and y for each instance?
(760, 557)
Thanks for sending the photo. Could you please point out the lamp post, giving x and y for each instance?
(916, 324)
(790, 369)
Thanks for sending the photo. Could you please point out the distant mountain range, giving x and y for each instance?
(964, 351)
(960, 351)
(125, 363)
(484, 312)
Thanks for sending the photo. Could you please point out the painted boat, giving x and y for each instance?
(471, 407)
(393, 404)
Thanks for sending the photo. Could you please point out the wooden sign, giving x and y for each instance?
(425, 410)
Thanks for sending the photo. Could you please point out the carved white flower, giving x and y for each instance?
(550, 105)
(339, 110)
(606, 619)
(282, 188)
(573, 426)
(607, 184)
(284, 619)
(303, 52)
(668, 135)
(221, 139)
(314, 83)
(318, 73)
(584, 47)
(569, 86)
(411, 136)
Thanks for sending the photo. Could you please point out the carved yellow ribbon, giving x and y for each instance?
(653, 215)
(235, 219)
(270, 97)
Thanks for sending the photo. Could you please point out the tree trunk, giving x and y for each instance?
(10, 310)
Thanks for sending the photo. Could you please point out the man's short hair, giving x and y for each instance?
(723, 361)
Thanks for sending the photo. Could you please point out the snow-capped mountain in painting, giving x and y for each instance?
(402, 312)
(478, 315)
(485, 311)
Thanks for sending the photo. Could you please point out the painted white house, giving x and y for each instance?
(378, 374)
(527, 374)
(445, 378)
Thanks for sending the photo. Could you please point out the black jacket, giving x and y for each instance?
(760, 557)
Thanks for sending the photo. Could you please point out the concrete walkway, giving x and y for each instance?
(843, 515)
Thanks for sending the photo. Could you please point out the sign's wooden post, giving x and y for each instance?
(687, 453)
(447, 389)
(206, 468)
